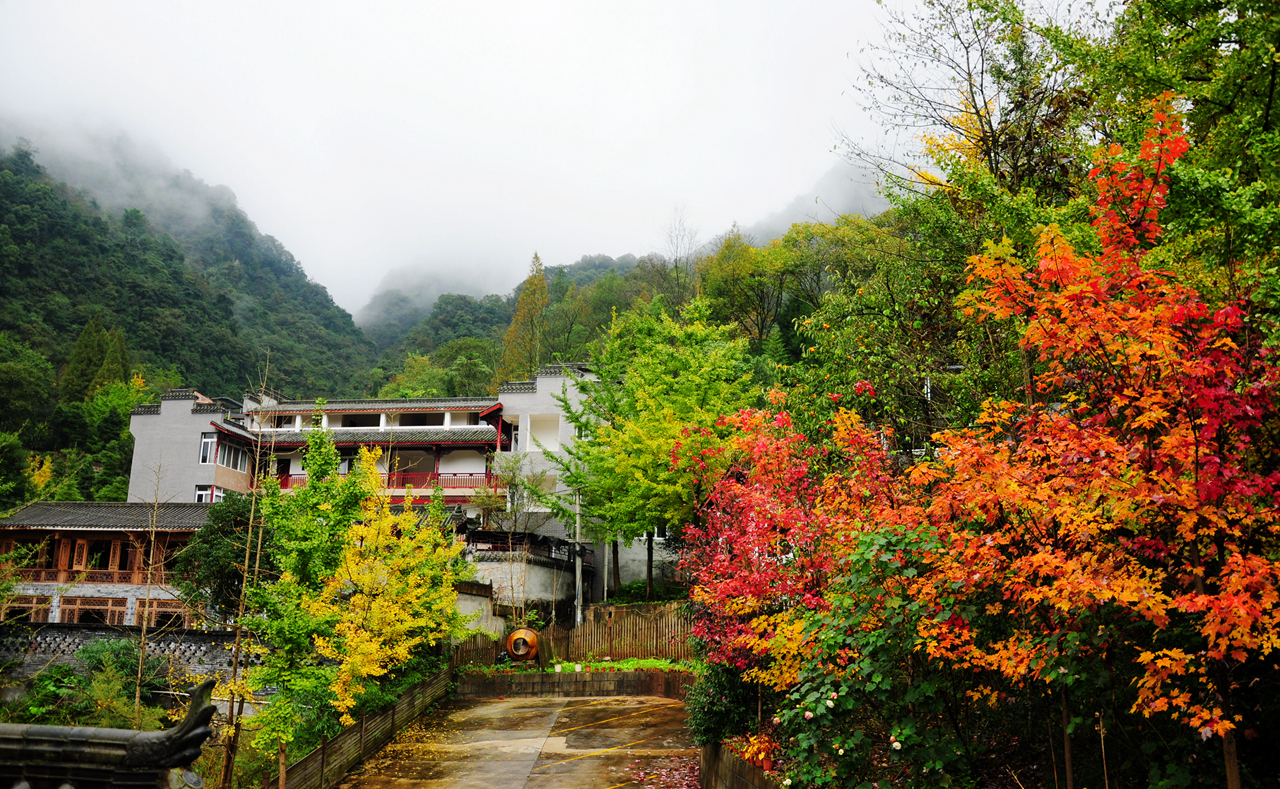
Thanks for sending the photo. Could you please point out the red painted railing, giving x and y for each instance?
(417, 481)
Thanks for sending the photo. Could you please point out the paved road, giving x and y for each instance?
(533, 744)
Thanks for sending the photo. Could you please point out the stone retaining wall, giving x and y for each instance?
(669, 684)
(721, 768)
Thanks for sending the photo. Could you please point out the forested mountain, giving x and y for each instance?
(63, 262)
(315, 348)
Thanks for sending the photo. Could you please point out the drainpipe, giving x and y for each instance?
(577, 555)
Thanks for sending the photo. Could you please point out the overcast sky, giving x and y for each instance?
(455, 136)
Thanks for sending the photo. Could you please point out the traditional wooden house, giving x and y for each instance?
(99, 562)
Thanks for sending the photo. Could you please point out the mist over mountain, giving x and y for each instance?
(844, 189)
(407, 296)
(314, 346)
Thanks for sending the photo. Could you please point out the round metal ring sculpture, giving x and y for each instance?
(522, 644)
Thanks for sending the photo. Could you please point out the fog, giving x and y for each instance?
(430, 148)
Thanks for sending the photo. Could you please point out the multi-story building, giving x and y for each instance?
(191, 448)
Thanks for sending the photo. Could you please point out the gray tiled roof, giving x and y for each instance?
(475, 434)
(107, 515)
(403, 404)
(516, 387)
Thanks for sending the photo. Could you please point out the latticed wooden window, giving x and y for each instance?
(28, 608)
(93, 610)
(163, 614)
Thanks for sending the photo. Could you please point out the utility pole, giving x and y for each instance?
(577, 555)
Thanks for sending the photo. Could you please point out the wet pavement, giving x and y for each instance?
(536, 743)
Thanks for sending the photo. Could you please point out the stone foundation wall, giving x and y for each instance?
(721, 768)
(668, 684)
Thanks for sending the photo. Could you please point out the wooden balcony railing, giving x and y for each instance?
(36, 575)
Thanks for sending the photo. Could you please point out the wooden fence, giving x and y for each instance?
(325, 766)
(636, 631)
(655, 630)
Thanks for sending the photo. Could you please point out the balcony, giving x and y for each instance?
(89, 576)
(418, 481)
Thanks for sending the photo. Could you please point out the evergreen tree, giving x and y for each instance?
(115, 362)
(85, 362)
(522, 347)
(26, 380)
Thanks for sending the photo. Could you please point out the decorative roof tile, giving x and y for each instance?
(518, 387)
(108, 516)
(377, 406)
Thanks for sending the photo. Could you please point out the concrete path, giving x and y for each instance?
(577, 743)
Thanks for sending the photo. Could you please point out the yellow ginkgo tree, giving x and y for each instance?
(392, 593)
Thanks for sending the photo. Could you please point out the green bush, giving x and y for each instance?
(720, 705)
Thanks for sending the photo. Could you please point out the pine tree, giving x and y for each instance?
(523, 348)
(115, 362)
(84, 364)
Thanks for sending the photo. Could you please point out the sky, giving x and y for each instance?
(377, 140)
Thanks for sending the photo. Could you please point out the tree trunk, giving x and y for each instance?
(281, 754)
(617, 579)
(1066, 742)
(1233, 762)
(648, 566)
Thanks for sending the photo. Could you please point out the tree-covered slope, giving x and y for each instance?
(188, 279)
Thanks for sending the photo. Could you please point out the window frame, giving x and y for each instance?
(208, 449)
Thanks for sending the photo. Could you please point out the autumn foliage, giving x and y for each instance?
(1120, 520)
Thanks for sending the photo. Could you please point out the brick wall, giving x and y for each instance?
(669, 684)
(721, 768)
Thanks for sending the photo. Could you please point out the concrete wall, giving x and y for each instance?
(166, 451)
(462, 461)
(533, 578)
(482, 605)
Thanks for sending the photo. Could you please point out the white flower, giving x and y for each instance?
(841, 753)
(787, 782)
(897, 746)
(830, 703)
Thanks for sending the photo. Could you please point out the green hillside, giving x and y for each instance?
(199, 289)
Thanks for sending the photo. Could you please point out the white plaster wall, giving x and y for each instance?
(483, 606)
(515, 581)
(465, 461)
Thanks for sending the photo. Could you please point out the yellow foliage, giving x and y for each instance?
(788, 647)
(39, 471)
(393, 591)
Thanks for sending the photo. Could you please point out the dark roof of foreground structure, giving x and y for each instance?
(108, 516)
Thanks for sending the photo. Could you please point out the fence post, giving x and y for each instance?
(266, 779)
(362, 753)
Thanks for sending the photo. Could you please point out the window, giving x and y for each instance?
(218, 495)
(208, 444)
(233, 457)
(204, 494)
